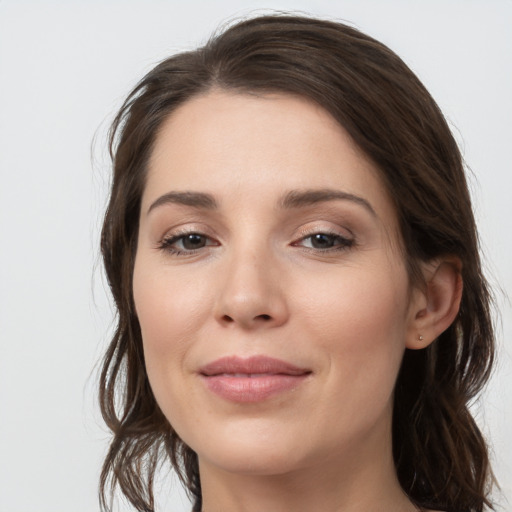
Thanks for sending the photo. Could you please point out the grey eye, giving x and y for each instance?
(186, 243)
(193, 241)
(323, 241)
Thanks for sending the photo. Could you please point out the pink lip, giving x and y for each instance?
(253, 379)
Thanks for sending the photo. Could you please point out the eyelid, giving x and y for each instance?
(347, 241)
(342, 240)
(166, 242)
(180, 236)
(187, 229)
(326, 230)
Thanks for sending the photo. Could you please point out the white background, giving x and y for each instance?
(64, 69)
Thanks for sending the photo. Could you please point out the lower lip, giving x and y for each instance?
(252, 389)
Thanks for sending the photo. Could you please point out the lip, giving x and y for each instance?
(252, 379)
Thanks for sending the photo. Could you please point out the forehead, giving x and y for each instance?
(251, 146)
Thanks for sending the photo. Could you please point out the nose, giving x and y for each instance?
(251, 294)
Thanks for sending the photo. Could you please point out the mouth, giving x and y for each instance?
(251, 379)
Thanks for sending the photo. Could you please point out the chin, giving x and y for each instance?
(251, 460)
(259, 447)
(250, 446)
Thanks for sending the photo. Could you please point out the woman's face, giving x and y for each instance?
(269, 284)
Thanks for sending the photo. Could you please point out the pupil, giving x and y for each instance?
(321, 241)
(193, 241)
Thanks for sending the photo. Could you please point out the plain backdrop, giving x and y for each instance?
(64, 69)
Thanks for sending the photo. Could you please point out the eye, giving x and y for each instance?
(325, 242)
(186, 243)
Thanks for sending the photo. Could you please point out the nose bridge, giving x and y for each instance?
(250, 294)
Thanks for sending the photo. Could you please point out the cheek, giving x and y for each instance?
(361, 305)
(361, 325)
(170, 311)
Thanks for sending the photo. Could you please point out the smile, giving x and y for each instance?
(251, 380)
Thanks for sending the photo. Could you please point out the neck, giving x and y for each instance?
(357, 480)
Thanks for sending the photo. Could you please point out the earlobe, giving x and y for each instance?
(435, 307)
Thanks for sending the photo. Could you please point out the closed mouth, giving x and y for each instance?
(253, 379)
(252, 367)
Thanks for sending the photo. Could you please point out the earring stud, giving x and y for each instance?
(420, 337)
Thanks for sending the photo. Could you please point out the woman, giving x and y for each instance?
(293, 255)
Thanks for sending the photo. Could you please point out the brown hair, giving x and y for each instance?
(440, 455)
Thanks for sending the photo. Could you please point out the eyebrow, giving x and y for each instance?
(291, 200)
(195, 199)
(301, 198)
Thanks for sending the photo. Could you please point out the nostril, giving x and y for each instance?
(247, 321)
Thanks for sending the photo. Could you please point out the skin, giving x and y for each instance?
(259, 284)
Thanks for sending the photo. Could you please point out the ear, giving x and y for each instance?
(434, 307)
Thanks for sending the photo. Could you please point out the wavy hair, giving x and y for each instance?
(440, 455)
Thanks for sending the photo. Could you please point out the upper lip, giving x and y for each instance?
(252, 365)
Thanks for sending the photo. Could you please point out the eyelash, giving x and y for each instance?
(167, 244)
(344, 243)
